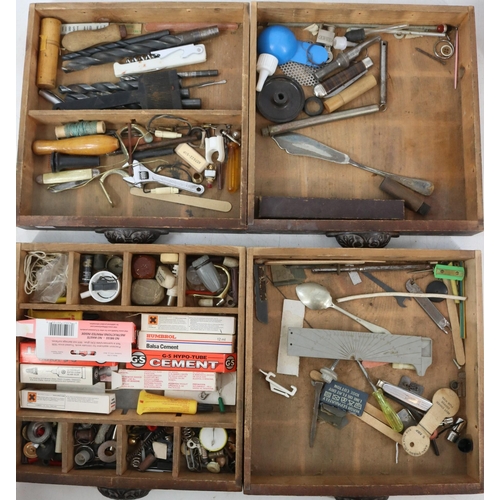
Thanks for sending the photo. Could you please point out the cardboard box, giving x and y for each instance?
(186, 342)
(225, 381)
(59, 375)
(188, 323)
(192, 361)
(27, 355)
(151, 380)
(75, 340)
(67, 401)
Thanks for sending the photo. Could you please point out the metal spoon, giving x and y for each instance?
(316, 296)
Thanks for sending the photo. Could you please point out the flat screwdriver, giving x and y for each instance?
(391, 416)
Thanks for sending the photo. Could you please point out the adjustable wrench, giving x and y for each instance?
(142, 175)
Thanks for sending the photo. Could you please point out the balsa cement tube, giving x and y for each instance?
(155, 403)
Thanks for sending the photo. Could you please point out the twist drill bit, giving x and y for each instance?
(132, 49)
(142, 39)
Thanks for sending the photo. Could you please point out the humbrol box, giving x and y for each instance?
(192, 361)
(188, 323)
(186, 342)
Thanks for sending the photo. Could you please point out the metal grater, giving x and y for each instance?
(302, 73)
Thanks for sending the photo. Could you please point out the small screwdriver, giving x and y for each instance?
(233, 175)
(391, 416)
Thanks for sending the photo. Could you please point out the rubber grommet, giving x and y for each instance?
(313, 106)
(436, 287)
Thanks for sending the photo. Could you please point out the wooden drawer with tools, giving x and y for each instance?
(406, 115)
(341, 444)
(57, 442)
(109, 105)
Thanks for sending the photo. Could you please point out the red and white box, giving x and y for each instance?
(87, 402)
(182, 361)
(188, 323)
(164, 380)
(58, 375)
(76, 340)
(27, 355)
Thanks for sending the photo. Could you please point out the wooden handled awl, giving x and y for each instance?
(81, 39)
(85, 145)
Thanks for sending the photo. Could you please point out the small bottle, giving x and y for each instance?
(207, 273)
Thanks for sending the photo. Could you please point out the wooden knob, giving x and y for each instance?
(85, 145)
(79, 40)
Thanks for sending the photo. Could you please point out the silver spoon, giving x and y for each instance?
(316, 296)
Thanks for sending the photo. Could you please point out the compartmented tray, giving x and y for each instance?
(224, 105)
(427, 129)
(177, 427)
(354, 459)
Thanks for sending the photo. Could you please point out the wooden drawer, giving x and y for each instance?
(227, 104)
(272, 432)
(355, 460)
(177, 426)
(429, 130)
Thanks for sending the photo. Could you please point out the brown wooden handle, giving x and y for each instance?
(79, 40)
(85, 145)
(363, 85)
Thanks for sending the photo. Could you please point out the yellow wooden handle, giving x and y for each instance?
(85, 145)
(350, 93)
(48, 53)
(79, 40)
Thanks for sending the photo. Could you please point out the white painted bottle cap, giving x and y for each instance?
(266, 66)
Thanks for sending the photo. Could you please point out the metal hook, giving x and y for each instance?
(278, 389)
(103, 178)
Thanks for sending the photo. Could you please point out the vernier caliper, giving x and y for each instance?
(142, 175)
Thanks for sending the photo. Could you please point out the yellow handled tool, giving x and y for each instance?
(391, 416)
(233, 175)
(96, 145)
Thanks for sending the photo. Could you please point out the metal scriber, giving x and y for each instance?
(301, 145)
(318, 387)
(431, 310)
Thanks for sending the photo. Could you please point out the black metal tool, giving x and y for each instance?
(387, 288)
(156, 90)
(260, 292)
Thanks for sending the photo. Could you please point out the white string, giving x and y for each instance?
(33, 262)
(401, 294)
(397, 452)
